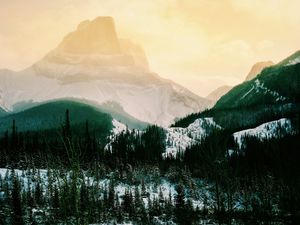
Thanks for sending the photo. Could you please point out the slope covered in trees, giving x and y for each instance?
(277, 84)
(273, 94)
(51, 116)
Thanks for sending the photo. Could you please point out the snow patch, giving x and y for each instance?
(260, 88)
(276, 128)
(293, 61)
(118, 127)
(178, 138)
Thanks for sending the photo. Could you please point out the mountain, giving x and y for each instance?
(49, 118)
(271, 95)
(278, 84)
(215, 95)
(51, 115)
(257, 68)
(92, 63)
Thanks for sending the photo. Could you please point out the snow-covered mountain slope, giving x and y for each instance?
(178, 138)
(100, 68)
(277, 128)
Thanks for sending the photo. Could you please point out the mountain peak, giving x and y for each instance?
(92, 37)
(257, 68)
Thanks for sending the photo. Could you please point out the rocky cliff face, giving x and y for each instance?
(92, 37)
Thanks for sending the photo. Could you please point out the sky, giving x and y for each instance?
(200, 44)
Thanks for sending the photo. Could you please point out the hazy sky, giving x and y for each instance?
(200, 44)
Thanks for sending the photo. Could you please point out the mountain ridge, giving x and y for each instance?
(119, 76)
(271, 95)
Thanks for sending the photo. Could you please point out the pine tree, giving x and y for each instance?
(67, 124)
(17, 216)
(111, 194)
(14, 138)
(84, 199)
(169, 206)
(161, 196)
(67, 129)
(38, 193)
(143, 189)
(89, 153)
(180, 209)
(6, 140)
(127, 203)
(55, 198)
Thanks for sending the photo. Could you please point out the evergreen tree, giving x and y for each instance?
(67, 128)
(83, 199)
(38, 194)
(111, 194)
(180, 209)
(14, 137)
(17, 216)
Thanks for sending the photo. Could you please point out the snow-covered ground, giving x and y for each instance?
(29, 179)
(178, 138)
(277, 128)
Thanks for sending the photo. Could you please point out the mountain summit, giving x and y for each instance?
(92, 37)
(92, 51)
(257, 68)
(94, 64)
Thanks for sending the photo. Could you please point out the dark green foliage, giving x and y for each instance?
(203, 158)
(50, 116)
(262, 175)
(183, 209)
(283, 80)
(2, 112)
(235, 119)
(133, 148)
(16, 204)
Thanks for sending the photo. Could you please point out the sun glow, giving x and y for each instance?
(200, 44)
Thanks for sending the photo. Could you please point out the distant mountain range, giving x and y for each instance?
(102, 78)
(93, 64)
(256, 69)
(276, 84)
(271, 95)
